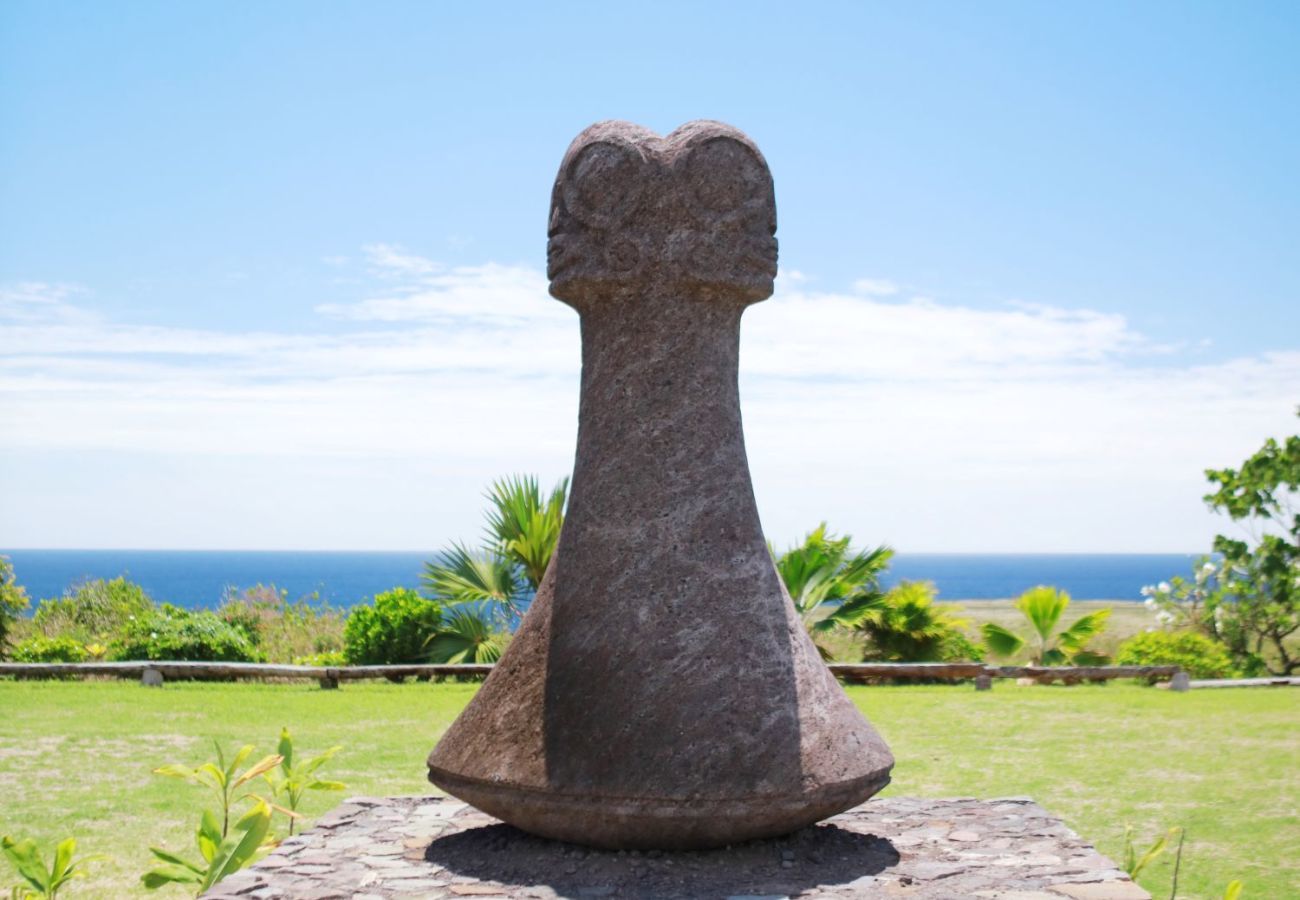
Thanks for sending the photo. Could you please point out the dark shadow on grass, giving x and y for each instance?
(818, 855)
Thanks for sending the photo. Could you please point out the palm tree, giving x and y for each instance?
(492, 584)
(826, 579)
(904, 625)
(1043, 606)
(465, 637)
(524, 525)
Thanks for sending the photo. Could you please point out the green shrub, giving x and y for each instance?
(42, 649)
(393, 630)
(94, 610)
(1195, 653)
(327, 658)
(173, 633)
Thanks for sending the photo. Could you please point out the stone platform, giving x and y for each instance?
(433, 847)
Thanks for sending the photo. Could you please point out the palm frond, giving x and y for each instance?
(1001, 641)
(524, 524)
(465, 576)
(465, 637)
(1084, 629)
(1043, 606)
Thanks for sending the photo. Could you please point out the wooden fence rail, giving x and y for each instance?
(155, 672)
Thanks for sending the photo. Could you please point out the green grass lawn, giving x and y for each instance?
(76, 759)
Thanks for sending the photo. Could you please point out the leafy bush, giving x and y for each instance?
(178, 634)
(39, 649)
(1197, 654)
(94, 610)
(392, 630)
(13, 600)
(283, 629)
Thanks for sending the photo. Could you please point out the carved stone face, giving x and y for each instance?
(633, 212)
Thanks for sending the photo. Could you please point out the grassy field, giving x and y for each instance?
(76, 759)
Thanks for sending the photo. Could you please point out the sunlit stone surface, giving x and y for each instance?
(661, 692)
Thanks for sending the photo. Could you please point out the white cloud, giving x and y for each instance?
(876, 287)
(932, 425)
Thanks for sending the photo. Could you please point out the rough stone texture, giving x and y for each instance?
(616, 718)
(404, 847)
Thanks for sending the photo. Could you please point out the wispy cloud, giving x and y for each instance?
(931, 424)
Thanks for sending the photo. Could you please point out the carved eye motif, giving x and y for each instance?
(604, 184)
(726, 179)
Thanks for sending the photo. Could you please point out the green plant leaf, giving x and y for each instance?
(60, 872)
(156, 878)
(168, 857)
(1001, 641)
(26, 858)
(208, 836)
(1085, 629)
(285, 749)
(327, 786)
(1232, 891)
(264, 765)
(175, 771)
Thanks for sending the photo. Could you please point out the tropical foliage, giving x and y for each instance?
(905, 625)
(486, 590)
(43, 881)
(1043, 608)
(224, 779)
(831, 585)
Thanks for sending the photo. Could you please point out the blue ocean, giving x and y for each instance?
(200, 578)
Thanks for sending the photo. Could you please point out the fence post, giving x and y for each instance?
(984, 682)
(151, 677)
(1181, 681)
(330, 680)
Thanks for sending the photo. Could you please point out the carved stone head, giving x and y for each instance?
(632, 212)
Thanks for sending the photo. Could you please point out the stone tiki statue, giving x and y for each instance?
(662, 691)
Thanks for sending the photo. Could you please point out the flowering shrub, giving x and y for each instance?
(1210, 603)
(173, 633)
(1196, 654)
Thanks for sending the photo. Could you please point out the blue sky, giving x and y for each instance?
(272, 272)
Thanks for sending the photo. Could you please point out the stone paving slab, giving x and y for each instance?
(437, 848)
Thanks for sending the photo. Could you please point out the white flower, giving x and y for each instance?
(1147, 591)
(1208, 568)
(1149, 602)
(1163, 587)
(153, 634)
(1164, 618)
